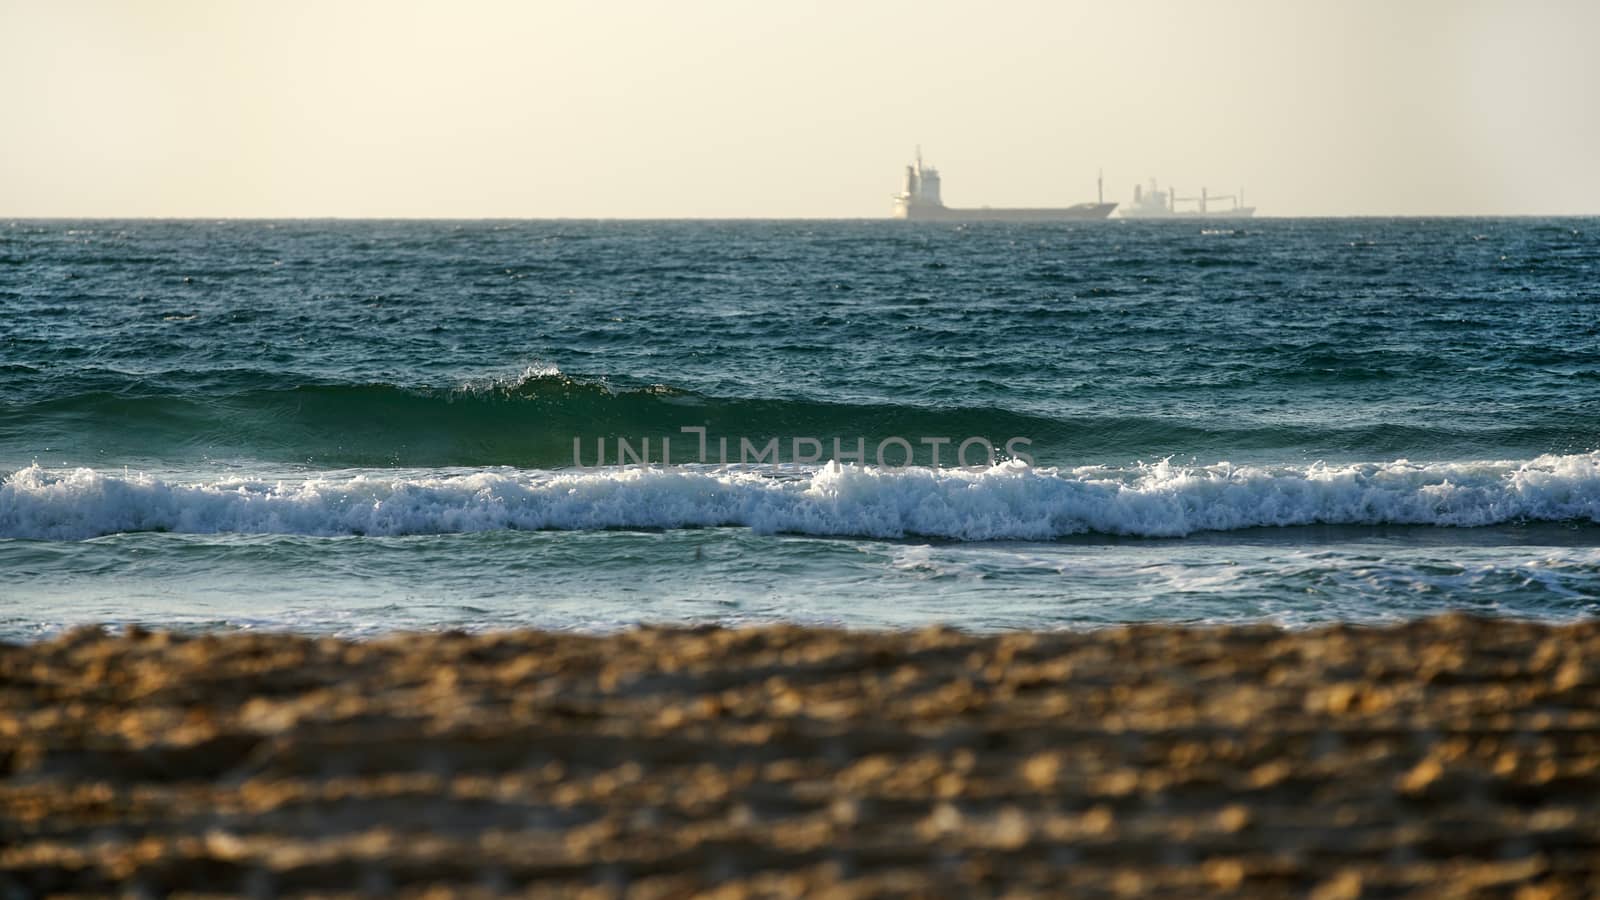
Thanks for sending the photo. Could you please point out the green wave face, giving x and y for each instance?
(530, 423)
(534, 421)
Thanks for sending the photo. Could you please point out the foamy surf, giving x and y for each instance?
(1008, 502)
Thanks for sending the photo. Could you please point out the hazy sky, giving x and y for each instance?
(743, 108)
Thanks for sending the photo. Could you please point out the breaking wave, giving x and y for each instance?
(1011, 501)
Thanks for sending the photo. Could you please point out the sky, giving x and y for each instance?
(764, 109)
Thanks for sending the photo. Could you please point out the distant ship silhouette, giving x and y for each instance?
(919, 200)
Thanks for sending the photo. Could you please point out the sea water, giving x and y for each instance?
(359, 426)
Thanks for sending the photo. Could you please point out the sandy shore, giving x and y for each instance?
(1454, 757)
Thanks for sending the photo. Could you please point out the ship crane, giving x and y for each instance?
(1206, 198)
(1156, 203)
(1173, 199)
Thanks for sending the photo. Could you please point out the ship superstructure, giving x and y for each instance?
(1156, 203)
(919, 199)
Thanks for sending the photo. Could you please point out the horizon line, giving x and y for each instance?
(497, 218)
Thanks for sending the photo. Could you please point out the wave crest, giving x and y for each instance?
(1008, 502)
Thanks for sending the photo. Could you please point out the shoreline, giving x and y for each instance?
(1452, 755)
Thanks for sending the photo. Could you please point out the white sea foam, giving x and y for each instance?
(1011, 501)
(496, 383)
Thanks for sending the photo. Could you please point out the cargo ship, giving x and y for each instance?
(920, 200)
(1158, 204)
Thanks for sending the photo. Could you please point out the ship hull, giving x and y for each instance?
(1075, 213)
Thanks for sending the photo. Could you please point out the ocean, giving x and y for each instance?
(353, 427)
